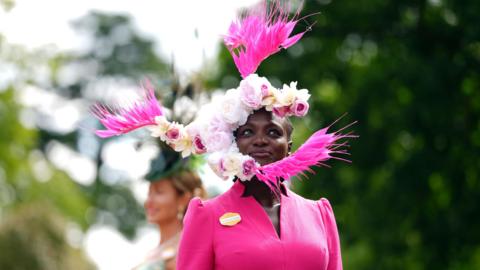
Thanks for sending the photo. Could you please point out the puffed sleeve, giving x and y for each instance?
(196, 244)
(335, 256)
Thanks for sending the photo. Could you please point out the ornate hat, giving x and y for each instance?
(254, 36)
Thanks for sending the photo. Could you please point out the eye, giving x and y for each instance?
(246, 132)
(274, 132)
(158, 190)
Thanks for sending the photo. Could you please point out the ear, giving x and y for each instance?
(289, 148)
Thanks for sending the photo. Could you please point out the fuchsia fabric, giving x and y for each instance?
(308, 235)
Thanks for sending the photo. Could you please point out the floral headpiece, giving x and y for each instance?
(260, 33)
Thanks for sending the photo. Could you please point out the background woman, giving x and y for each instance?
(172, 184)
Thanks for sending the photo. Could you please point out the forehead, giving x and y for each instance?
(263, 117)
(161, 184)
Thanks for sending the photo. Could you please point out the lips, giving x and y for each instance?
(151, 211)
(260, 154)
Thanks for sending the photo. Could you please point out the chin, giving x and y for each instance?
(152, 220)
(265, 161)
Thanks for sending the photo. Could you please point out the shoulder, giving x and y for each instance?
(326, 212)
(198, 206)
(322, 203)
(301, 200)
(325, 204)
(321, 206)
(198, 211)
(208, 203)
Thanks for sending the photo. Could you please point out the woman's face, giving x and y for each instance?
(163, 202)
(263, 137)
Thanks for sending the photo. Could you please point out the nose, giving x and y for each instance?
(148, 202)
(260, 140)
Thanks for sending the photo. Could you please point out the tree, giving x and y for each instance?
(38, 200)
(408, 72)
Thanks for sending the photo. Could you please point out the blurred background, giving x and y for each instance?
(407, 71)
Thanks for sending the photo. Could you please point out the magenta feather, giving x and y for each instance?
(317, 149)
(123, 120)
(259, 34)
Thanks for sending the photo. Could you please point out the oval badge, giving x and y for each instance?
(230, 219)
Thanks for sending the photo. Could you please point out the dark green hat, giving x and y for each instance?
(169, 162)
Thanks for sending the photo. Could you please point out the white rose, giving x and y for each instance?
(270, 100)
(215, 161)
(232, 164)
(182, 143)
(161, 127)
(218, 141)
(252, 91)
(303, 95)
(231, 108)
(287, 95)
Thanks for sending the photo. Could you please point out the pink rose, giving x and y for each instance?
(299, 108)
(221, 165)
(215, 162)
(198, 145)
(217, 124)
(250, 94)
(249, 167)
(173, 133)
(264, 89)
(281, 111)
(218, 141)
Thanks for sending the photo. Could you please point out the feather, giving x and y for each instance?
(259, 34)
(317, 149)
(123, 120)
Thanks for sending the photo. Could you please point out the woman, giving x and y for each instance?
(169, 193)
(275, 232)
(259, 223)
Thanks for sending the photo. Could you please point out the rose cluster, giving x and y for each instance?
(212, 131)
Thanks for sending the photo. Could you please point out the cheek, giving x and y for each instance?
(167, 201)
(164, 203)
(242, 145)
(281, 148)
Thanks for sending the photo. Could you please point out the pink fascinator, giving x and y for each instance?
(260, 33)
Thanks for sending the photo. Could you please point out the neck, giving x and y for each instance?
(169, 230)
(261, 192)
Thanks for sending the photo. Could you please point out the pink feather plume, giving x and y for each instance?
(259, 34)
(123, 120)
(317, 149)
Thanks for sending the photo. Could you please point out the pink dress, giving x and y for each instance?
(308, 235)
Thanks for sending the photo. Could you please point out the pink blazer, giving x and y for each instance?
(308, 235)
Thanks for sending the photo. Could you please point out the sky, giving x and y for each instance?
(35, 24)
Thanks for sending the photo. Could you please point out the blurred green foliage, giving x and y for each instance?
(31, 206)
(408, 72)
(118, 53)
(37, 199)
(33, 238)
